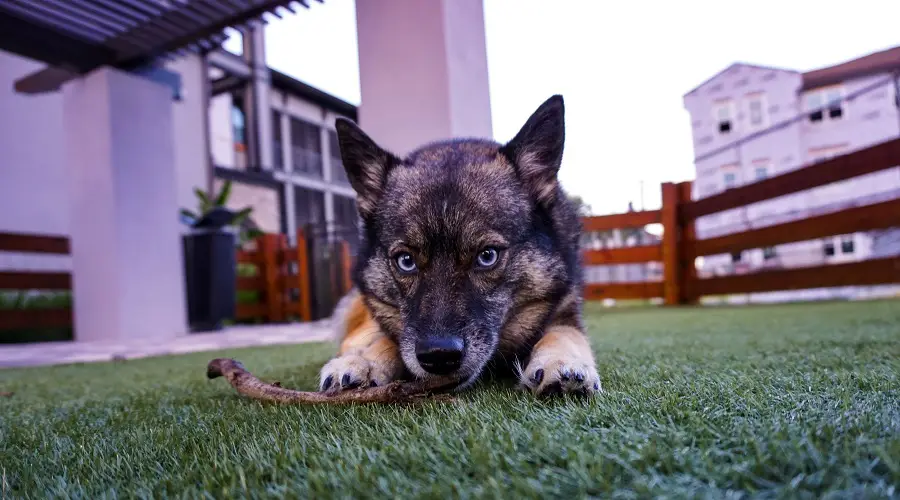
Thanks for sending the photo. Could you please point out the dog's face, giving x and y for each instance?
(453, 238)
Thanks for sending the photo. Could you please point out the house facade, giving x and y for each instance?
(751, 122)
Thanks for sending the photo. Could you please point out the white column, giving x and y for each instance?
(423, 71)
(128, 279)
(258, 109)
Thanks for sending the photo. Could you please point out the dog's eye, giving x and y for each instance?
(488, 257)
(405, 262)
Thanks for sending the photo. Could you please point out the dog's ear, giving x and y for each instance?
(366, 163)
(537, 150)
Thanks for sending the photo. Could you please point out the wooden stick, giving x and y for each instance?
(395, 392)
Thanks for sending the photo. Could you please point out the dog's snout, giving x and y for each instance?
(440, 355)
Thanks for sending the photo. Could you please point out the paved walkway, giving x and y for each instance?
(52, 353)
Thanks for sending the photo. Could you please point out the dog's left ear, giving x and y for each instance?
(536, 151)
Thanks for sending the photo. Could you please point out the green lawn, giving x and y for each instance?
(798, 400)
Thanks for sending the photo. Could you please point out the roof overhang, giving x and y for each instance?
(75, 37)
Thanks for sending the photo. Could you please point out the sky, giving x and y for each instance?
(622, 68)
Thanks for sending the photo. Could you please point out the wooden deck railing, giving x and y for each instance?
(20, 281)
(680, 247)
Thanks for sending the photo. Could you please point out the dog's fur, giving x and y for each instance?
(443, 205)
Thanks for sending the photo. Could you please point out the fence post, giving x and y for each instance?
(672, 272)
(346, 278)
(688, 236)
(270, 245)
(303, 285)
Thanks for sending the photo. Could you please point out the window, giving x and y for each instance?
(277, 151)
(724, 117)
(737, 257)
(306, 148)
(338, 174)
(769, 253)
(761, 173)
(847, 244)
(828, 248)
(825, 104)
(756, 110)
(238, 125)
(309, 206)
(346, 221)
(730, 179)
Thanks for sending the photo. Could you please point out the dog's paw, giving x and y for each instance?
(352, 371)
(558, 377)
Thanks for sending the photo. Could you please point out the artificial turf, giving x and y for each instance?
(791, 400)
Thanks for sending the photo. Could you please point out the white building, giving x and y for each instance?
(107, 157)
(750, 122)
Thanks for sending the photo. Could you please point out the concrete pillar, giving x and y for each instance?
(128, 279)
(423, 71)
(257, 107)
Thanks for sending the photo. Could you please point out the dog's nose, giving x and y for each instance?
(440, 355)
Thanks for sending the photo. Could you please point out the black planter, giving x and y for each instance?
(210, 260)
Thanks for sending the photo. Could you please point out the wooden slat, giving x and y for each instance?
(250, 311)
(688, 236)
(33, 243)
(877, 216)
(869, 272)
(35, 280)
(304, 286)
(873, 159)
(21, 319)
(625, 255)
(670, 244)
(600, 291)
(244, 257)
(620, 221)
(251, 283)
(271, 245)
(346, 268)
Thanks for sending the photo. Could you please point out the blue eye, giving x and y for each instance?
(488, 257)
(405, 262)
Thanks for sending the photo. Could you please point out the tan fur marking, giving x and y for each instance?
(366, 354)
(564, 355)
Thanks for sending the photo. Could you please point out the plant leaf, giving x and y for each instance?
(224, 194)
(241, 215)
(204, 200)
(188, 213)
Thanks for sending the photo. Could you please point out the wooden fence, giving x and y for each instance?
(278, 275)
(680, 247)
(274, 278)
(18, 317)
(273, 281)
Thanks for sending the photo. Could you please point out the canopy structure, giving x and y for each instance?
(75, 37)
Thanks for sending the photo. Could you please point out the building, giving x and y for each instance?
(750, 122)
(104, 147)
(307, 186)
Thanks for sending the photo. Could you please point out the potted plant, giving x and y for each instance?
(210, 258)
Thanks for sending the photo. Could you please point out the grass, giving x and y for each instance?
(761, 401)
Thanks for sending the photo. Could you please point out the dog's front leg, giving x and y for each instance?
(561, 362)
(367, 356)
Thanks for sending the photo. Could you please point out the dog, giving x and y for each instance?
(469, 259)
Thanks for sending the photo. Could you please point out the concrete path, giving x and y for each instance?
(53, 353)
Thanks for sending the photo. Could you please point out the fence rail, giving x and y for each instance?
(21, 282)
(680, 246)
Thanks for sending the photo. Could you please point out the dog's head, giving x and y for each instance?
(456, 237)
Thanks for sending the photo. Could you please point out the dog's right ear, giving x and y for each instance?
(366, 163)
